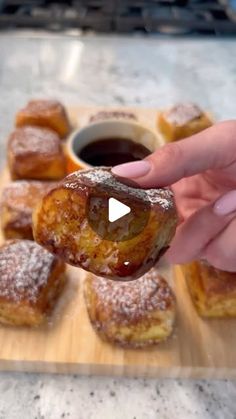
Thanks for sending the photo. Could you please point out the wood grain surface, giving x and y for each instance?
(198, 348)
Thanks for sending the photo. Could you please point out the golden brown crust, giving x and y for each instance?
(35, 153)
(181, 121)
(18, 201)
(61, 225)
(30, 281)
(45, 113)
(213, 291)
(131, 314)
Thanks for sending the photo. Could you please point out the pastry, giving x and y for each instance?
(131, 314)
(66, 225)
(112, 114)
(182, 120)
(45, 113)
(31, 280)
(35, 153)
(213, 291)
(17, 203)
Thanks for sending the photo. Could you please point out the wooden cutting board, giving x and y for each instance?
(198, 348)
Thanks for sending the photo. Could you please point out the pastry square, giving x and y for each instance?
(35, 153)
(213, 291)
(72, 222)
(18, 201)
(134, 314)
(31, 280)
(112, 114)
(181, 121)
(45, 113)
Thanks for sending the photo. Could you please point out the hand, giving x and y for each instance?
(202, 173)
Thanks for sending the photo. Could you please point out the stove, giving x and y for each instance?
(166, 16)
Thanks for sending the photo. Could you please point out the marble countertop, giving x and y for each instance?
(141, 71)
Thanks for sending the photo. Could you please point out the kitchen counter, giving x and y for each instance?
(140, 71)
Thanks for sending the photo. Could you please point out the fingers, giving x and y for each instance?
(226, 204)
(213, 148)
(194, 235)
(221, 252)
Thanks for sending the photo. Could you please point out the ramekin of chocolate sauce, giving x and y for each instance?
(110, 142)
(112, 151)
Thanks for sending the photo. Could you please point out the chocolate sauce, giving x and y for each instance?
(112, 151)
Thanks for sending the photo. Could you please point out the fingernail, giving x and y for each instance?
(226, 204)
(132, 170)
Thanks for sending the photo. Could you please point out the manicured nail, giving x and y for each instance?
(226, 204)
(132, 170)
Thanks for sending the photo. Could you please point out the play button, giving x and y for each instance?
(116, 210)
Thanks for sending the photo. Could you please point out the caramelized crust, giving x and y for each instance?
(45, 113)
(18, 201)
(35, 153)
(104, 115)
(61, 225)
(213, 291)
(131, 314)
(181, 121)
(31, 279)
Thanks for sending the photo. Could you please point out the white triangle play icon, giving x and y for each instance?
(116, 210)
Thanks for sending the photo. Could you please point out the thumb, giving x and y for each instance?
(213, 148)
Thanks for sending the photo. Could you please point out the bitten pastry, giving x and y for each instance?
(18, 201)
(31, 279)
(131, 314)
(182, 120)
(45, 113)
(72, 222)
(112, 114)
(35, 153)
(213, 291)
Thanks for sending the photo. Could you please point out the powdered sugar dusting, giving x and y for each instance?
(23, 195)
(24, 270)
(42, 106)
(112, 114)
(20, 198)
(102, 175)
(182, 113)
(31, 139)
(129, 301)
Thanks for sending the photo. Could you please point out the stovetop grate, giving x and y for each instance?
(166, 16)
